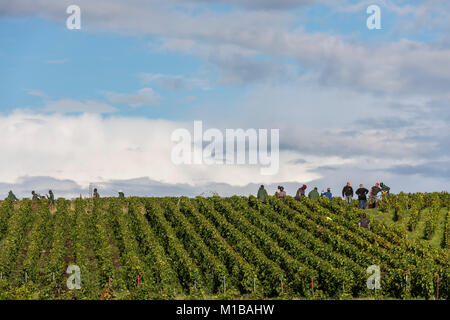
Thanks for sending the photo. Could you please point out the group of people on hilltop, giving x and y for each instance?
(34, 196)
(51, 197)
(97, 195)
(313, 194)
(347, 193)
(364, 194)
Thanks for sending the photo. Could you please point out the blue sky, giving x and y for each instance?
(351, 103)
(41, 55)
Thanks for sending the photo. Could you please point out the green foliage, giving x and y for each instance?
(432, 218)
(194, 248)
(445, 244)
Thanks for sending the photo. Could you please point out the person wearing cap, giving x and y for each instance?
(327, 194)
(121, 194)
(300, 192)
(262, 194)
(313, 194)
(362, 197)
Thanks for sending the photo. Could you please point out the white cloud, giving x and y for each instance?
(70, 105)
(88, 147)
(37, 93)
(144, 96)
(113, 151)
(175, 82)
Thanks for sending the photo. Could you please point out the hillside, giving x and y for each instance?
(147, 248)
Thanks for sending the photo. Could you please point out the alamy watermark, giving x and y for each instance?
(374, 280)
(374, 20)
(213, 147)
(74, 280)
(74, 20)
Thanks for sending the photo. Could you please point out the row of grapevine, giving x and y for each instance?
(35, 239)
(432, 219)
(106, 253)
(241, 272)
(134, 272)
(445, 237)
(269, 273)
(83, 244)
(188, 272)
(55, 270)
(165, 280)
(13, 240)
(212, 268)
(298, 275)
(292, 236)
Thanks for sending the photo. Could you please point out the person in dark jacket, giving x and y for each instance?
(374, 194)
(262, 194)
(347, 193)
(384, 188)
(121, 194)
(51, 197)
(300, 192)
(362, 197)
(35, 195)
(12, 196)
(364, 222)
(327, 194)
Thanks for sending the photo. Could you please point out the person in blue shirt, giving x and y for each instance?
(327, 194)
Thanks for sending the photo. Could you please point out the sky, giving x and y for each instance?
(99, 104)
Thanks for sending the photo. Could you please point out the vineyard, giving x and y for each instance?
(223, 248)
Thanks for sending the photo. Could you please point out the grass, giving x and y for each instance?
(417, 234)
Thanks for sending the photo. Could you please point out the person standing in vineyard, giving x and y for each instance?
(374, 194)
(35, 195)
(327, 194)
(313, 194)
(362, 197)
(51, 197)
(262, 194)
(12, 196)
(121, 194)
(384, 188)
(96, 195)
(282, 194)
(347, 193)
(300, 192)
